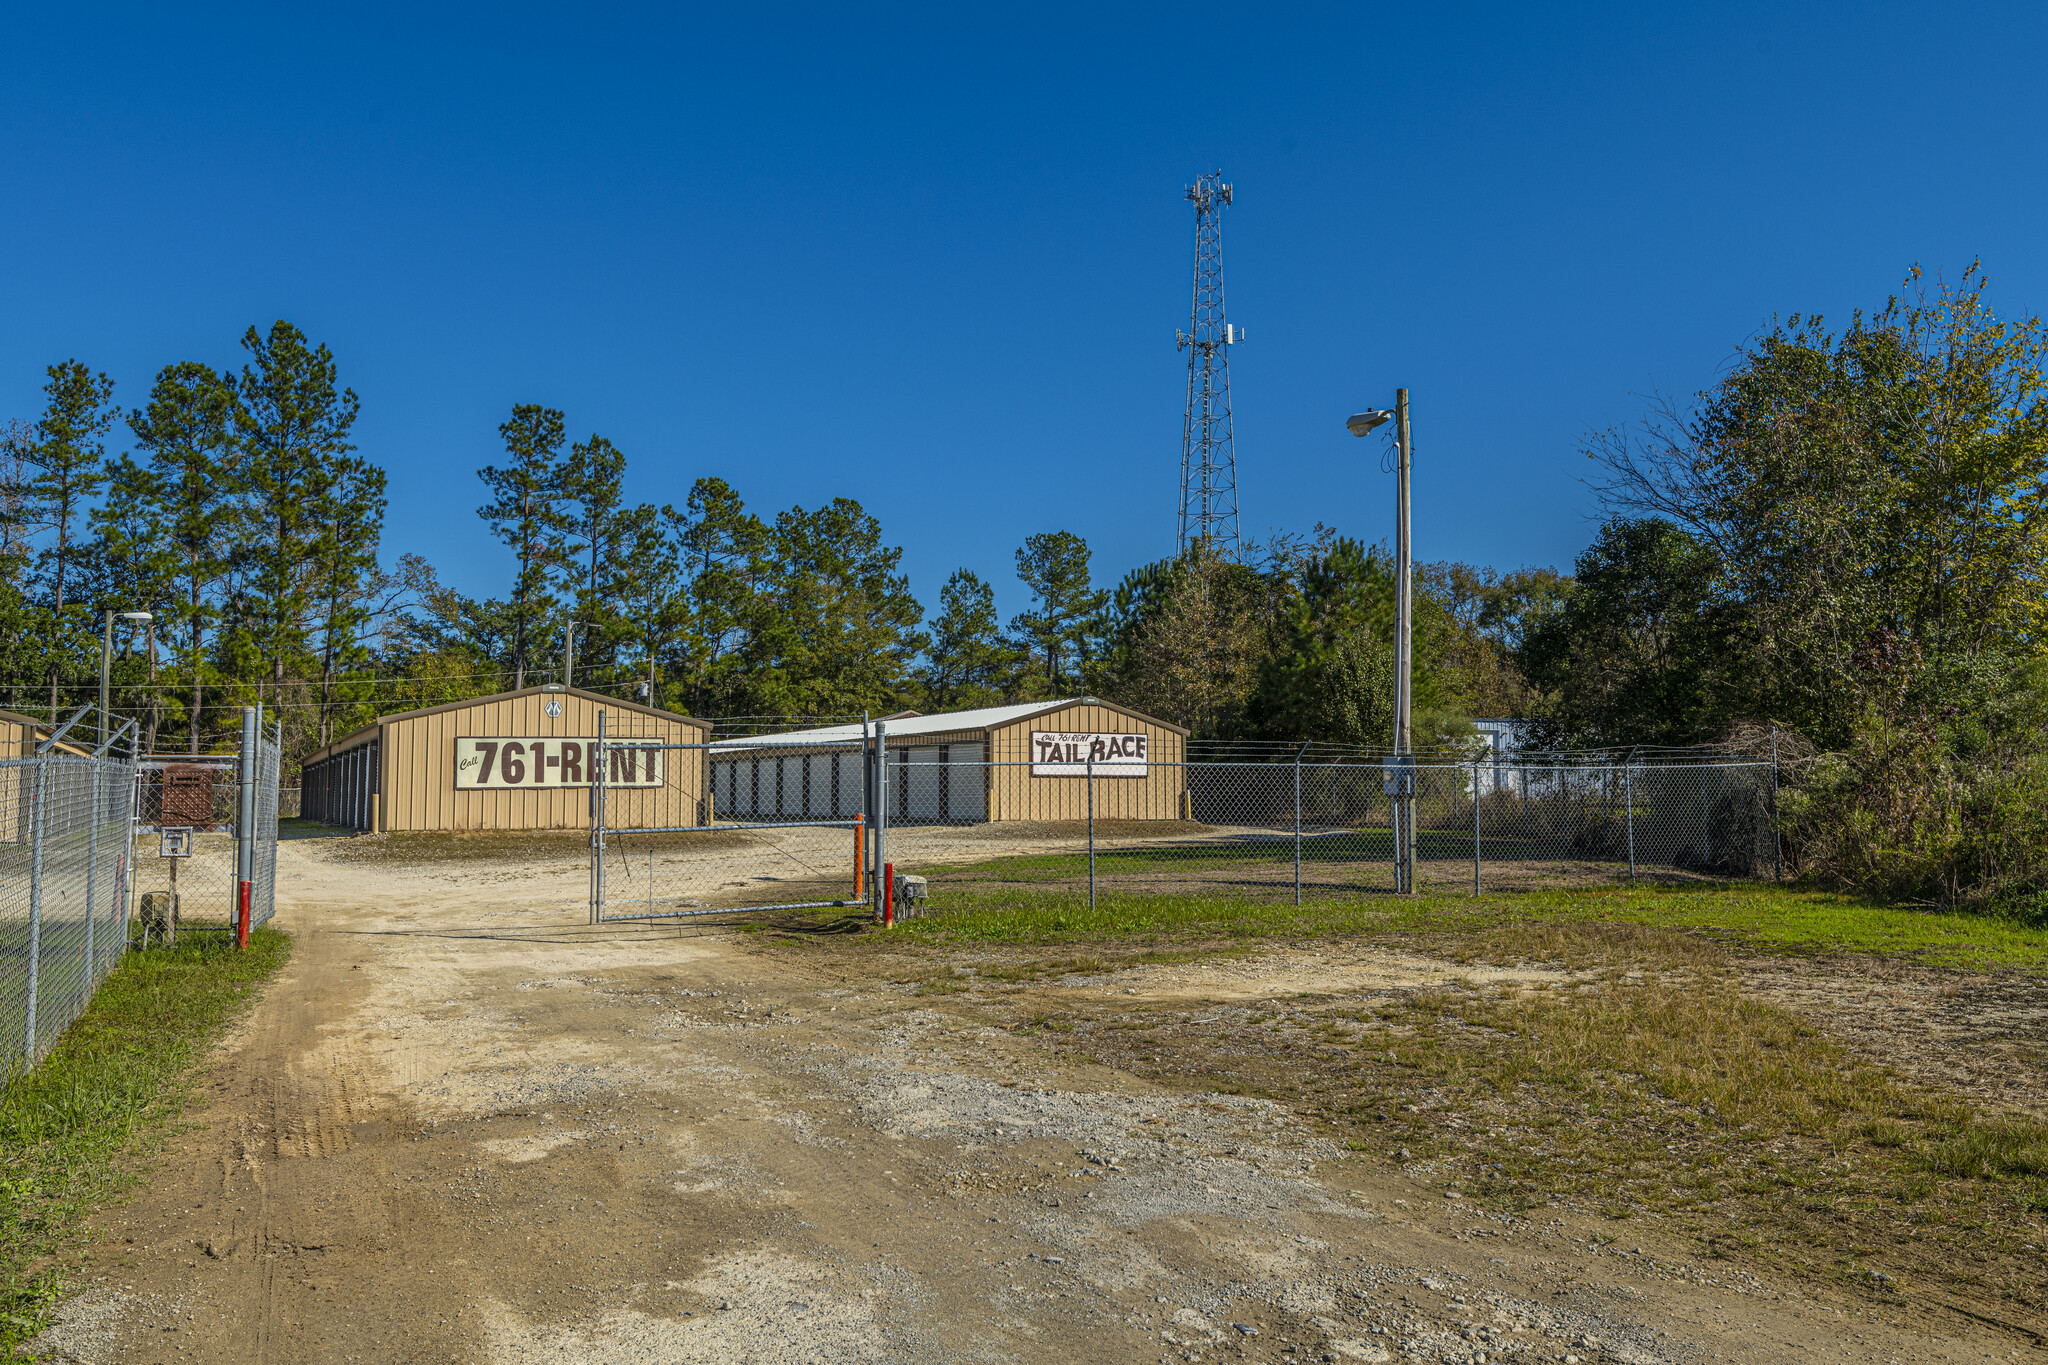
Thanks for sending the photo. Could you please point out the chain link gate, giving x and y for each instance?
(189, 835)
(659, 851)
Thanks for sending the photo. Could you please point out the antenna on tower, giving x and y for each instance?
(1208, 456)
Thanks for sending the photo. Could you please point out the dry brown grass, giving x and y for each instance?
(1648, 1085)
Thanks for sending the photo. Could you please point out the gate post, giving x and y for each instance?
(1628, 800)
(881, 861)
(134, 810)
(245, 827)
(1475, 826)
(1297, 822)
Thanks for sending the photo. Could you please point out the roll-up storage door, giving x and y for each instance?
(923, 781)
(966, 783)
(850, 802)
(817, 786)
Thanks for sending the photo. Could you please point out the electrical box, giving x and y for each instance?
(1397, 777)
(175, 841)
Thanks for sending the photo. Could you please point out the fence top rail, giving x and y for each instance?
(901, 758)
(638, 746)
(68, 760)
(722, 827)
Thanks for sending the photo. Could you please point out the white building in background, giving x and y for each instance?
(1503, 739)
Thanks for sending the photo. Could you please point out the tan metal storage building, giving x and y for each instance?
(516, 760)
(998, 763)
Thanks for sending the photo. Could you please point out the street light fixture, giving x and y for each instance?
(107, 659)
(1359, 424)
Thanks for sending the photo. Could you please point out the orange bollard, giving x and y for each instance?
(242, 918)
(888, 895)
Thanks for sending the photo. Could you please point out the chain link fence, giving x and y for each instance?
(1318, 828)
(1309, 826)
(64, 819)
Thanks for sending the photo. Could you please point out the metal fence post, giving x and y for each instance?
(1408, 827)
(1297, 822)
(130, 812)
(245, 827)
(1628, 801)
(1777, 837)
(92, 876)
(881, 810)
(38, 823)
(597, 825)
(1091, 827)
(1475, 826)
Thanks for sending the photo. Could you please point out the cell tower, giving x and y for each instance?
(1208, 457)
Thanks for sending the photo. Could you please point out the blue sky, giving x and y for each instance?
(934, 258)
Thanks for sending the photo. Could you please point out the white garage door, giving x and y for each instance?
(966, 793)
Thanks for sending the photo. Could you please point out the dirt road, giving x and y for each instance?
(464, 1126)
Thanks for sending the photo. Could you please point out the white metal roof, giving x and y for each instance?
(904, 728)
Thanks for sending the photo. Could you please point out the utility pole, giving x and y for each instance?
(1208, 451)
(1404, 643)
(1404, 592)
(1401, 785)
(107, 665)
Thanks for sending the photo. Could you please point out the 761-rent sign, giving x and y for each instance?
(508, 764)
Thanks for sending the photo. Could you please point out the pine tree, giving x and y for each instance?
(1066, 619)
(347, 577)
(593, 496)
(968, 662)
(67, 462)
(726, 555)
(844, 628)
(525, 512)
(292, 428)
(182, 502)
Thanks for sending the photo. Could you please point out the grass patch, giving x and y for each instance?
(1646, 1083)
(1648, 1086)
(1743, 916)
(69, 1129)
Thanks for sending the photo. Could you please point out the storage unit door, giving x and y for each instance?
(850, 799)
(966, 787)
(817, 786)
(789, 788)
(923, 785)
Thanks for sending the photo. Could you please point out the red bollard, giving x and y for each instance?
(888, 894)
(242, 918)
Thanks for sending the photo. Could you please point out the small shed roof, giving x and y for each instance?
(368, 731)
(38, 731)
(910, 725)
